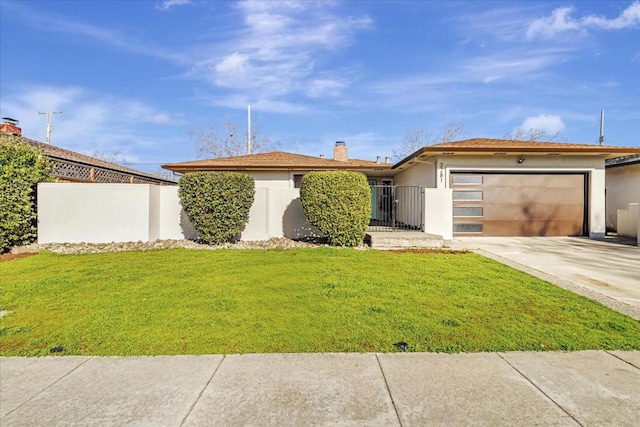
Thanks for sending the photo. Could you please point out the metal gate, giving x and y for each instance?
(397, 208)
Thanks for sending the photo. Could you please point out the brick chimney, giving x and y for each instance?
(340, 151)
(10, 126)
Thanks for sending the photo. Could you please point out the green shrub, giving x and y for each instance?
(338, 203)
(217, 203)
(21, 169)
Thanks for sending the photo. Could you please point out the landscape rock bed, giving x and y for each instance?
(93, 248)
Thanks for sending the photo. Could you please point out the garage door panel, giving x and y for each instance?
(519, 181)
(519, 204)
(528, 195)
(531, 212)
(531, 228)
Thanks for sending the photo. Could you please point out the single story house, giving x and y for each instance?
(70, 166)
(479, 187)
(276, 211)
(279, 169)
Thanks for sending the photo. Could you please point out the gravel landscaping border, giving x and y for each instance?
(94, 248)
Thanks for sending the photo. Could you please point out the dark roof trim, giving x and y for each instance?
(622, 161)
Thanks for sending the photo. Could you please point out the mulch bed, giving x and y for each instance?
(11, 257)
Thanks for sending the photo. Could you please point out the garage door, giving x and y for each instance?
(494, 204)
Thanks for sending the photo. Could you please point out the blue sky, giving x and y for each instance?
(135, 76)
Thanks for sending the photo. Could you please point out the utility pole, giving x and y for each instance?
(49, 120)
(249, 129)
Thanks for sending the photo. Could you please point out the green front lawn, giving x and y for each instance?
(305, 300)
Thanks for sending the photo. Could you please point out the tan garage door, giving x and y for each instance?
(491, 204)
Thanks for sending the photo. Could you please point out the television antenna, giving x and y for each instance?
(49, 120)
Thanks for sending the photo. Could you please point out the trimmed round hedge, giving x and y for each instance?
(217, 203)
(338, 204)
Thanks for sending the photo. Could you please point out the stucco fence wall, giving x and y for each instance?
(623, 188)
(629, 221)
(104, 213)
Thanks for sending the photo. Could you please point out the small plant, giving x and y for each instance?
(21, 169)
(217, 203)
(338, 203)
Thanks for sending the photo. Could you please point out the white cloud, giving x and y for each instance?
(276, 52)
(558, 22)
(240, 101)
(168, 4)
(42, 21)
(546, 123)
(89, 121)
(561, 21)
(231, 69)
(630, 17)
(431, 91)
(325, 87)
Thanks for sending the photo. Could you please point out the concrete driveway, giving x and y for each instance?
(603, 270)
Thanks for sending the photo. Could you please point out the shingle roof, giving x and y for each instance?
(62, 154)
(273, 161)
(487, 145)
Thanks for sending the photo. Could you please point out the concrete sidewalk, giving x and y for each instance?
(409, 389)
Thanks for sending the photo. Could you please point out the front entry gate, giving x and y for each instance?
(397, 208)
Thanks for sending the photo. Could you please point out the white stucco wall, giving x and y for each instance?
(276, 212)
(104, 213)
(422, 174)
(274, 179)
(97, 213)
(623, 187)
(174, 223)
(438, 218)
(628, 220)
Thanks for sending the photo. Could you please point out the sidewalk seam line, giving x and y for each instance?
(46, 388)
(386, 384)
(621, 359)
(540, 390)
(195, 402)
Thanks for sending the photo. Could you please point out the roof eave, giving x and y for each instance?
(607, 152)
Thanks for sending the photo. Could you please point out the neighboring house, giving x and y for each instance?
(622, 186)
(69, 166)
(480, 187)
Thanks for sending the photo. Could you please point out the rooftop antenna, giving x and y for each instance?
(601, 140)
(49, 120)
(249, 129)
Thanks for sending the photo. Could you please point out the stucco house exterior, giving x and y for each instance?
(276, 211)
(475, 187)
(478, 187)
